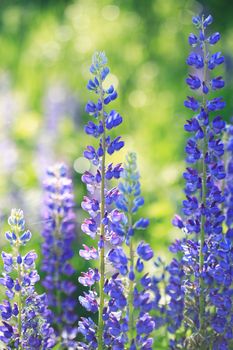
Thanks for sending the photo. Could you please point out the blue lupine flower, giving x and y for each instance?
(88, 329)
(214, 38)
(217, 83)
(89, 301)
(195, 60)
(104, 221)
(207, 21)
(193, 82)
(141, 223)
(59, 233)
(192, 103)
(215, 104)
(119, 259)
(215, 60)
(144, 251)
(24, 314)
(193, 40)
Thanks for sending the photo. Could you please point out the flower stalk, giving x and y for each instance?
(204, 177)
(139, 294)
(103, 220)
(19, 276)
(102, 227)
(131, 282)
(204, 193)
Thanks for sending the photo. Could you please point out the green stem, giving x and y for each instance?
(131, 294)
(20, 306)
(203, 219)
(131, 283)
(102, 231)
(57, 277)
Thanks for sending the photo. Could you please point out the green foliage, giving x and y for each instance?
(47, 44)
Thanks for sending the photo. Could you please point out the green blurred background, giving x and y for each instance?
(45, 53)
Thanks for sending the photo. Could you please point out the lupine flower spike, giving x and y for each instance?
(103, 221)
(59, 233)
(24, 314)
(204, 264)
(138, 324)
(229, 177)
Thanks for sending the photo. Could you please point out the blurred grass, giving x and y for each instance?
(47, 46)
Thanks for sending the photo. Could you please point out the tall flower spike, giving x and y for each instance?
(103, 221)
(59, 233)
(24, 314)
(204, 175)
(138, 323)
(221, 269)
(229, 178)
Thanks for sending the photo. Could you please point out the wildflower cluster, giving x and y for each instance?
(103, 221)
(59, 233)
(128, 305)
(24, 313)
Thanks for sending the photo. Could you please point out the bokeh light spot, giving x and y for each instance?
(137, 98)
(111, 80)
(110, 12)
(81, 165)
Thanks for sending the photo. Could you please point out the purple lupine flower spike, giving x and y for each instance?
(103, 222)
(24, 314)
(205, 268)
(128, 315)
(229, 178)
(59, 233)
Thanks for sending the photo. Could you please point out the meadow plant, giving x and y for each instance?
(138, 285)
(59, 233)
(103, 222)
(206, 250)
(228, 185)
(24, 313)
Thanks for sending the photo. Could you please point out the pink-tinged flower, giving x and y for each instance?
(89, 278)
(89, 302)
(89, 227)
(88, 253)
